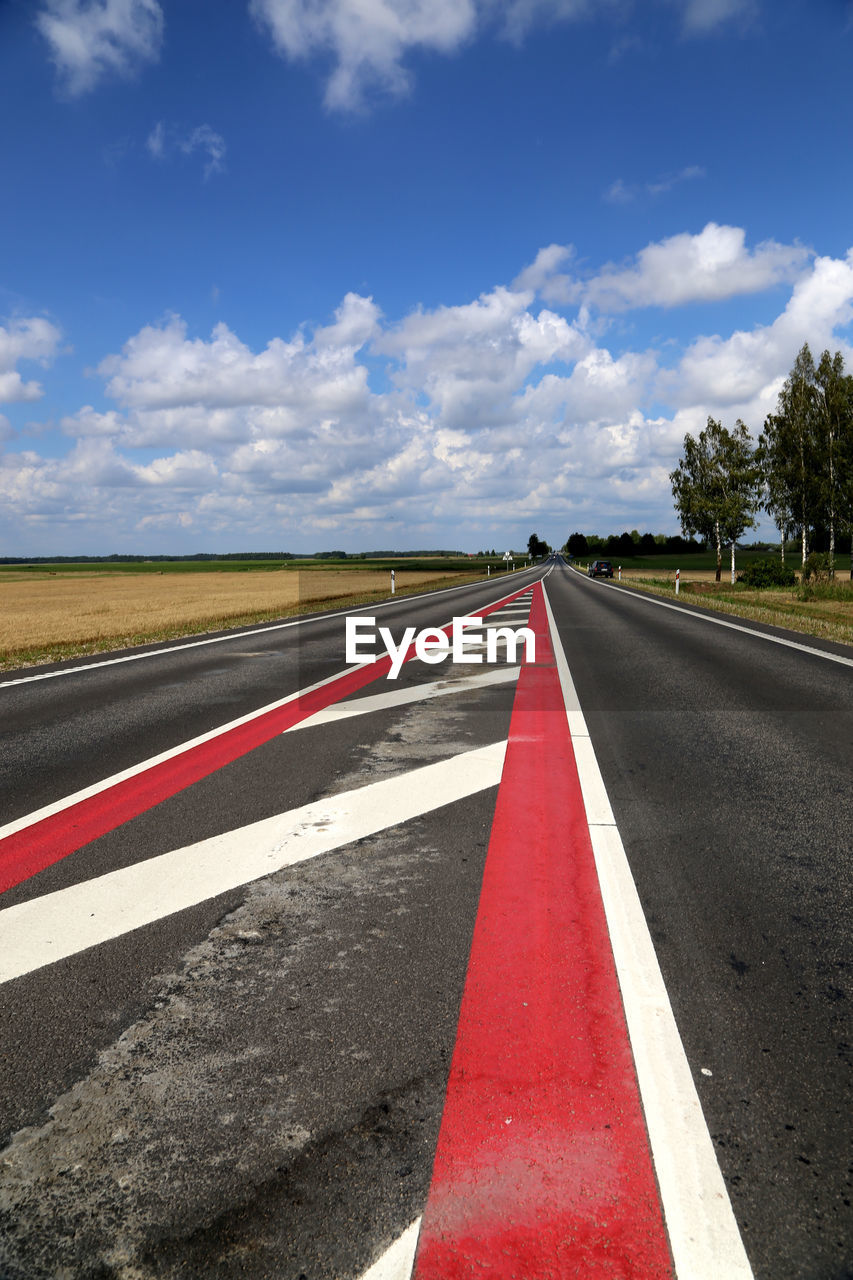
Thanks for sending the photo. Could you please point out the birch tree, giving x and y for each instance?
(835, 423)
(716, 487)
(790, 454)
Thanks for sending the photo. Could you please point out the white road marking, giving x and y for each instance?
(27, 819)
(687, 612)
(703, 1233)
(402, 697)
(236, 635)
(396, 1262)
(63, 923)
(46, 811)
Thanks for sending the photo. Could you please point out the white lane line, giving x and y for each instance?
(703, 1233)
(60, 924)
(687, 612)
(237, 635)
(396, 1262)
(402, 697)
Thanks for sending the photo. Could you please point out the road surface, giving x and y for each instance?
(275, 962)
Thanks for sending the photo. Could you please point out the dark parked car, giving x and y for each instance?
(600, 569)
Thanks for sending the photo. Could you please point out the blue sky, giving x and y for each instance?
(403, 273)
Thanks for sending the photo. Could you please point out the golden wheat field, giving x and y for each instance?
(81, 609)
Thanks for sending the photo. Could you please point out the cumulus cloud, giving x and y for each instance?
(470, 359)
(89, 38)
(748, 367)
(489, 412)
(161, 367)
(30, 338)
(707, 267)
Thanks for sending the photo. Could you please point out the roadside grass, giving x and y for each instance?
(46, 619)
(825, 610)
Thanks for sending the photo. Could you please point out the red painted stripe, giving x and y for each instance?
(30, 850)
(543, 1166)
(26, 852)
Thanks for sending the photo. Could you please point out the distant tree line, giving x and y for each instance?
(630, 544)
(800, 472)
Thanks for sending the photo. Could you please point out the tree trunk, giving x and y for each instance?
(719, 550)
(733, 561)
(805, 545)
(831, 547)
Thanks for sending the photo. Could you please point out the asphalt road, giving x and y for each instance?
(253, 1085)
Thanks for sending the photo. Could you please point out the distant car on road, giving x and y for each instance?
(600, 569)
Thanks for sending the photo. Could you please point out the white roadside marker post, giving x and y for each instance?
(619, 579)
(393, 583)
(677, 580)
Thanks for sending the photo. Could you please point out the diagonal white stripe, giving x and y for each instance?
(402, 697)
(397, 1261)
(66, 802)
(60, 924)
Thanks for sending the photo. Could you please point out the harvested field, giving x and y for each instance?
(43, 617)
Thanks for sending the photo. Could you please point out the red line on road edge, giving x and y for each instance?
(543, 1166)
(26, 852)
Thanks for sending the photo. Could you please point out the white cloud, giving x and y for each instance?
(491, 412)
(367, 39)
(161, 367)
(470, 360)
(621, 192)
(701, 16)
(156, 141)
(746, 369)
(164, 141)
(707, 267)
(30, 338)
(517, 17)
(89, 38)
